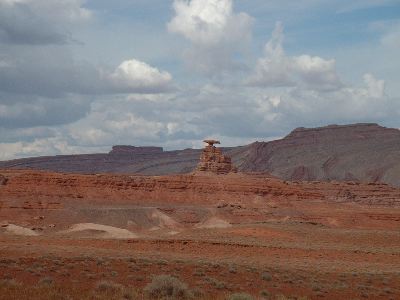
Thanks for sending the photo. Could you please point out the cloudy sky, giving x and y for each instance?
(80, 76)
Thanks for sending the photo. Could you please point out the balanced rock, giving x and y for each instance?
(212, 160)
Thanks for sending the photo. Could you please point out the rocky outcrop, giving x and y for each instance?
(358, 152)
(238, 198)
(212, 160)
(39, 190)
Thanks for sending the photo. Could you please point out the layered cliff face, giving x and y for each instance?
(196, 188)
(359, 152)
(32, 198)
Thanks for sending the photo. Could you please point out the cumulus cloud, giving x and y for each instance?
(208, 22)
(303, 107)
(13, 135)
(61, 75)
(48, 72)
(215, 31)
(43, 85)
(235, 114)
(44, 146)
(53, 102)
(40, 21)
(306, 90)
(276, 69)
(136, 76)
(374, 88)
(32, 111)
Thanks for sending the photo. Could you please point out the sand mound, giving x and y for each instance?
(100, 231)
(162, 220)
(19, 230)
(214, 222)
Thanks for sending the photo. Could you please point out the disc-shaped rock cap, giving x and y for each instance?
(211, 142)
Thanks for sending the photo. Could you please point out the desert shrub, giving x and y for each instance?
(240, 296)
(139, 278)
(215, 282)
(265, 294)
(316, 288)
(198, 293)
(266, 276)
(167, 287)
(114, 273)
(220, 285)
(232, 269)
(105, 286)
(111, 290)
(281, 297)
(9, 282)
(199, 273)
(388, 290)
(46, 281)
(162, 262)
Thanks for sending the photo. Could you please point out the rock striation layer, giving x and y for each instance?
(42, 198)
(212, 160)
(357, 152)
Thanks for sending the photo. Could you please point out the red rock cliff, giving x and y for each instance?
(212, 160)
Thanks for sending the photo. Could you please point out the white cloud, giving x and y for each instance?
(276, 69)
(40, 21)
(125, 121)
(374, 88)
(76, 106)
(61, 75)
(18, 111)
(136, 76)
(61, 10)
(208, 22)
(44, 146)
(215, 31)
(50, 146)
(304, 107)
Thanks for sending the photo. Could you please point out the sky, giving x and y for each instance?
(80, 76)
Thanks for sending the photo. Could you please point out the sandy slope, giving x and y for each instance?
(214, 222)
(100, 231)
(19, 230)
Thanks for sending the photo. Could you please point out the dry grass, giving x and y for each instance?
(240, 296)
(168, 287)
(11, 290)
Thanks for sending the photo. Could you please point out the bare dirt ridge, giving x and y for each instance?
(221, 234)
(171, 202)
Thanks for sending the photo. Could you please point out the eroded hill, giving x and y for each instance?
(359, 152)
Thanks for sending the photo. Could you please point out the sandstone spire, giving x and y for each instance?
(212, 160)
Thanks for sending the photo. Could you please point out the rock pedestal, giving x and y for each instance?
(212, 160)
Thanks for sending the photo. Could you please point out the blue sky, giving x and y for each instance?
(80, 76)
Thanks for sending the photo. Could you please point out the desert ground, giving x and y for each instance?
(67, 236)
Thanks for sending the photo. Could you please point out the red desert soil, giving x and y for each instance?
(219, 233)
